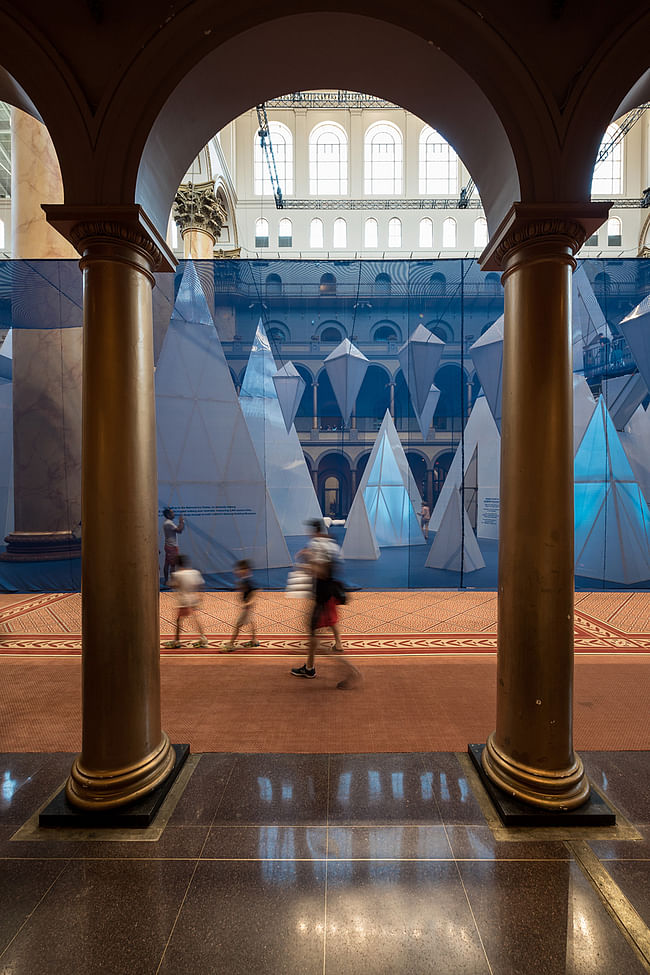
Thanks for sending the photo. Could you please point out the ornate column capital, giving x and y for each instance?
(125, 224)
(566, 224)
(197, 208)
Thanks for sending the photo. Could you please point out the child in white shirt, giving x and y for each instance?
(187, 582)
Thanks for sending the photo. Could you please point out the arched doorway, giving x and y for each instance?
(334, 485)
(373, 399)
(418, 465)
(441, 467)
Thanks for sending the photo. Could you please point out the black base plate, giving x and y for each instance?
(136, 815)
(594, 812)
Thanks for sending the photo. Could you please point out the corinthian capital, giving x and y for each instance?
(197, 208)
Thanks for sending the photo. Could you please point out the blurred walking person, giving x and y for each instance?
(187, 582)
(171, 531)
(247, 590)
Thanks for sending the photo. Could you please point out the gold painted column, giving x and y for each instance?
(46, 365)
(530, 755)
(200, 217)
(125, 754)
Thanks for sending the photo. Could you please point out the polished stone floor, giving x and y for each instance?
(334, 864)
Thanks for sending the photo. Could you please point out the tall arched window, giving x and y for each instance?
(449, 232)
(426, 232)
(340, 235)
(614, 236)
(328, 160)
(395, 232)
(273, 284)
(285, 233)
(480, 232)
(316, 233)
(371, 233)
(438, 164)
(261, 232)
(608, 173)
(383, 159)
(282, 143)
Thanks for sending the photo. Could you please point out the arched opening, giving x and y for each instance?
(382, 284)
(277, 332)
(451, 380)
(273, 285)
(405, 420)
(442, 329)
(329, 414)
(304, 416)
(418, 465)
(441, 467)
(334, 485)
(386, 331)
(327, 284)
(373, 399)
(437, 283)
(332, 332)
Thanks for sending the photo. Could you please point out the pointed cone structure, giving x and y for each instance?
(584, 405)
(388, 494)
(612, 533)
(279, 452)
(289, 387)
(636, 444)
(636, 330)
(487, 353)
(587, 319)
(623, 394)
(419, 358)
(346, 367)
(360, 541)
(455, 544)
(207, 466)
(426, 416)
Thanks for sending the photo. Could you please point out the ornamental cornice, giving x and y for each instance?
(93, 230)
(537, 231)
(197, 208)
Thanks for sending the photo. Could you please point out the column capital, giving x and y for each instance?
(197, 208)
(528, 223)
(125, 224)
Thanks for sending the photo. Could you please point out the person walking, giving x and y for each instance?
(187, 583)
(247, 590)
(171, 531)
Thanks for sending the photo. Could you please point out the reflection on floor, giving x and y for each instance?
(329, 864)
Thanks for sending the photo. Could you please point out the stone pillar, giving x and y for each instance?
(200, 217)
(125, 754)
(314, 419)
(392, 399)
(46, 366)
(430, 488)
(530, 755)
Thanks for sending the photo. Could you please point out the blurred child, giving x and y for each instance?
(247, 589)
(187, 582)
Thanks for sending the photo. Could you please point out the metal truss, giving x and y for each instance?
(374, 204)
(328, 99)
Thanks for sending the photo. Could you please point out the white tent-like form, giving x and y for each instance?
(289, 387)
(426, 416)
(584, 405)
(623, 394)
(207, 466)
(636, 331)
(588, 320)
(346, 368)
(279, 452)
(384, 510)
(612, 521)
(419, 358)
(482, 446)
(455, 545)
(487, 353)
(635, 439)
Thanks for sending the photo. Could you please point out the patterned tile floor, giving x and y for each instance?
(373, 622)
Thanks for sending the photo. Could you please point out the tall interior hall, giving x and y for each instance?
(324, 488)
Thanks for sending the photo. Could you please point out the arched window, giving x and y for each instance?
(442, 330)
(277, 332)
(426, 232)
(327, 284)
(285, 233)
(273, 284)
(331, 334)
(328, 160)
(282, 143)
(371, 233)
(608, 173)
(316, 233)
(261, 232)
(340, 235)
(614, 238)
(383, 159)
(386, 333)
(480, 232)
(438, 283)
(492, 283)
(438, 164)
(449, 232)
(395, 232)
(383, 284)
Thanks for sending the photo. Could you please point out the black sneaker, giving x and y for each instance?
(304, 671)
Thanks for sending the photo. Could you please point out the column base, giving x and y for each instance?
(41, 547)
(107, 790)
(562, 790)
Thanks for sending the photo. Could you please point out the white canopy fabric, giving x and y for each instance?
(636, 330)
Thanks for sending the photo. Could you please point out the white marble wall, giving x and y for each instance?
(47, 362)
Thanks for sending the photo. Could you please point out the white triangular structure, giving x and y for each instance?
(480, 434)
(426, 416)
(289, 387)
(636, 444)
(419, 358)
(584, 405)
(387, 499)
(636, 331)
(612, 521)
(487, 353)
(623, 394)
(587, 319)
(279, 452)
(452, 548)
(6, 356)
(207, 466)
(346, 368)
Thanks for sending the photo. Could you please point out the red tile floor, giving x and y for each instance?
(427, 660)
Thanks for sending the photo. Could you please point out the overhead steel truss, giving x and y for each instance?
(328, 99)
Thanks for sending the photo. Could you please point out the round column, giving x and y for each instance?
(530, 755)
(200, 217)
(125, 754)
